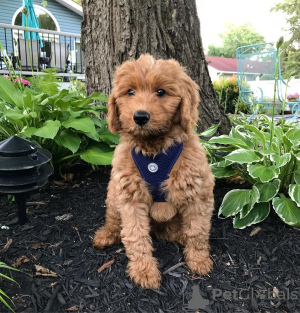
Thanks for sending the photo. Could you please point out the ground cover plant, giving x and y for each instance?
(65, 122)
(265, 153)
(270, 162)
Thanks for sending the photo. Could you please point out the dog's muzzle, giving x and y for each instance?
(141, 117)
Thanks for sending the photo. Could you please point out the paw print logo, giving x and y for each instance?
(197, 301)
(153, 167)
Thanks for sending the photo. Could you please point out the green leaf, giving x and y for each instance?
(107, 136)
(210, 131)
(235, 133)
(13, 115)
(258, 134)
(294, 193)
(96, 155)
(278, 132)
(287, 210)
(68, 139)
(297, 176)
(62, 104)
(29, 131)
(259, 212)
(6, 130)
(102, 108)
(84, 124)
(234, 201)
(243, 156)
(263, 173)
(267, 152)
(48, 130)
(293, 135)
(93, 136)
(100, 123)
(281, 160)
(226, 140)
(10, 93)
(254, 196)
(287, 144)
(221, 171)
(268, 190)
(4, 301)
(33, 114)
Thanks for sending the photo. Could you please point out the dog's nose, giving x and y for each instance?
(141, 117)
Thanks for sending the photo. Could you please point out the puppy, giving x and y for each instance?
(160, 179)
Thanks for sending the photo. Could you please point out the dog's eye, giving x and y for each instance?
(160, 92)
(130, 92)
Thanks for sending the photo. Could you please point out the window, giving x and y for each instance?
(45, 18)
(46, 21)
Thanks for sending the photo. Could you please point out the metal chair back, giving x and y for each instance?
(257, 72)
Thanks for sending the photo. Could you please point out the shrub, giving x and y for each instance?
(270, 161)
(265, 153)
(228, 93)
(67, 124)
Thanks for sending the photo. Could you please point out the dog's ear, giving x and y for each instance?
(114, 123)
(189, 103)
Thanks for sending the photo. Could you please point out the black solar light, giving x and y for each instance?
(23, 168)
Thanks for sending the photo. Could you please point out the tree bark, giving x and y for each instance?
(114, 31)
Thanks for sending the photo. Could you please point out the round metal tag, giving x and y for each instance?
(153, 167)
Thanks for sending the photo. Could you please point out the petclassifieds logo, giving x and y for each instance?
(251, 293)
(198, 301)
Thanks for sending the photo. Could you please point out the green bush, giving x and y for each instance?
(65, 122)
(267, 155)
(228, 93)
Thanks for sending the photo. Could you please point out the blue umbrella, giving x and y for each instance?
(30, 20)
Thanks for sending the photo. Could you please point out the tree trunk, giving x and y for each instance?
(114, 31)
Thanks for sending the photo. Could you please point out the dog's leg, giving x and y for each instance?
(196, 229)
(109, 234)
(142, 266)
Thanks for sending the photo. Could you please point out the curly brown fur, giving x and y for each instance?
(131, 213)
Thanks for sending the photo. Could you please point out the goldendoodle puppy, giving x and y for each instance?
(160, 180)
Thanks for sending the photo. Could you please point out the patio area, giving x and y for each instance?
(55, 50)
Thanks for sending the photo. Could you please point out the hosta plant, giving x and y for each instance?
(267, 155)
(68, 125)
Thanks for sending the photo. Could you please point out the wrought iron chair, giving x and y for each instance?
(256, 69)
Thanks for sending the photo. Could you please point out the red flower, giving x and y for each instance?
(23, 81)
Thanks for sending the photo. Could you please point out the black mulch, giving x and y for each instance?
(258, 273)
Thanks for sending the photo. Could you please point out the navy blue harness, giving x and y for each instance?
(155, 170)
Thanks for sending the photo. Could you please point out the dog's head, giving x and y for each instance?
(150, 96)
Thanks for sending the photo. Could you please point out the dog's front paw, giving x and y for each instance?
(105, 237)
(162, 211)
(145, 274)
(199, 262)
